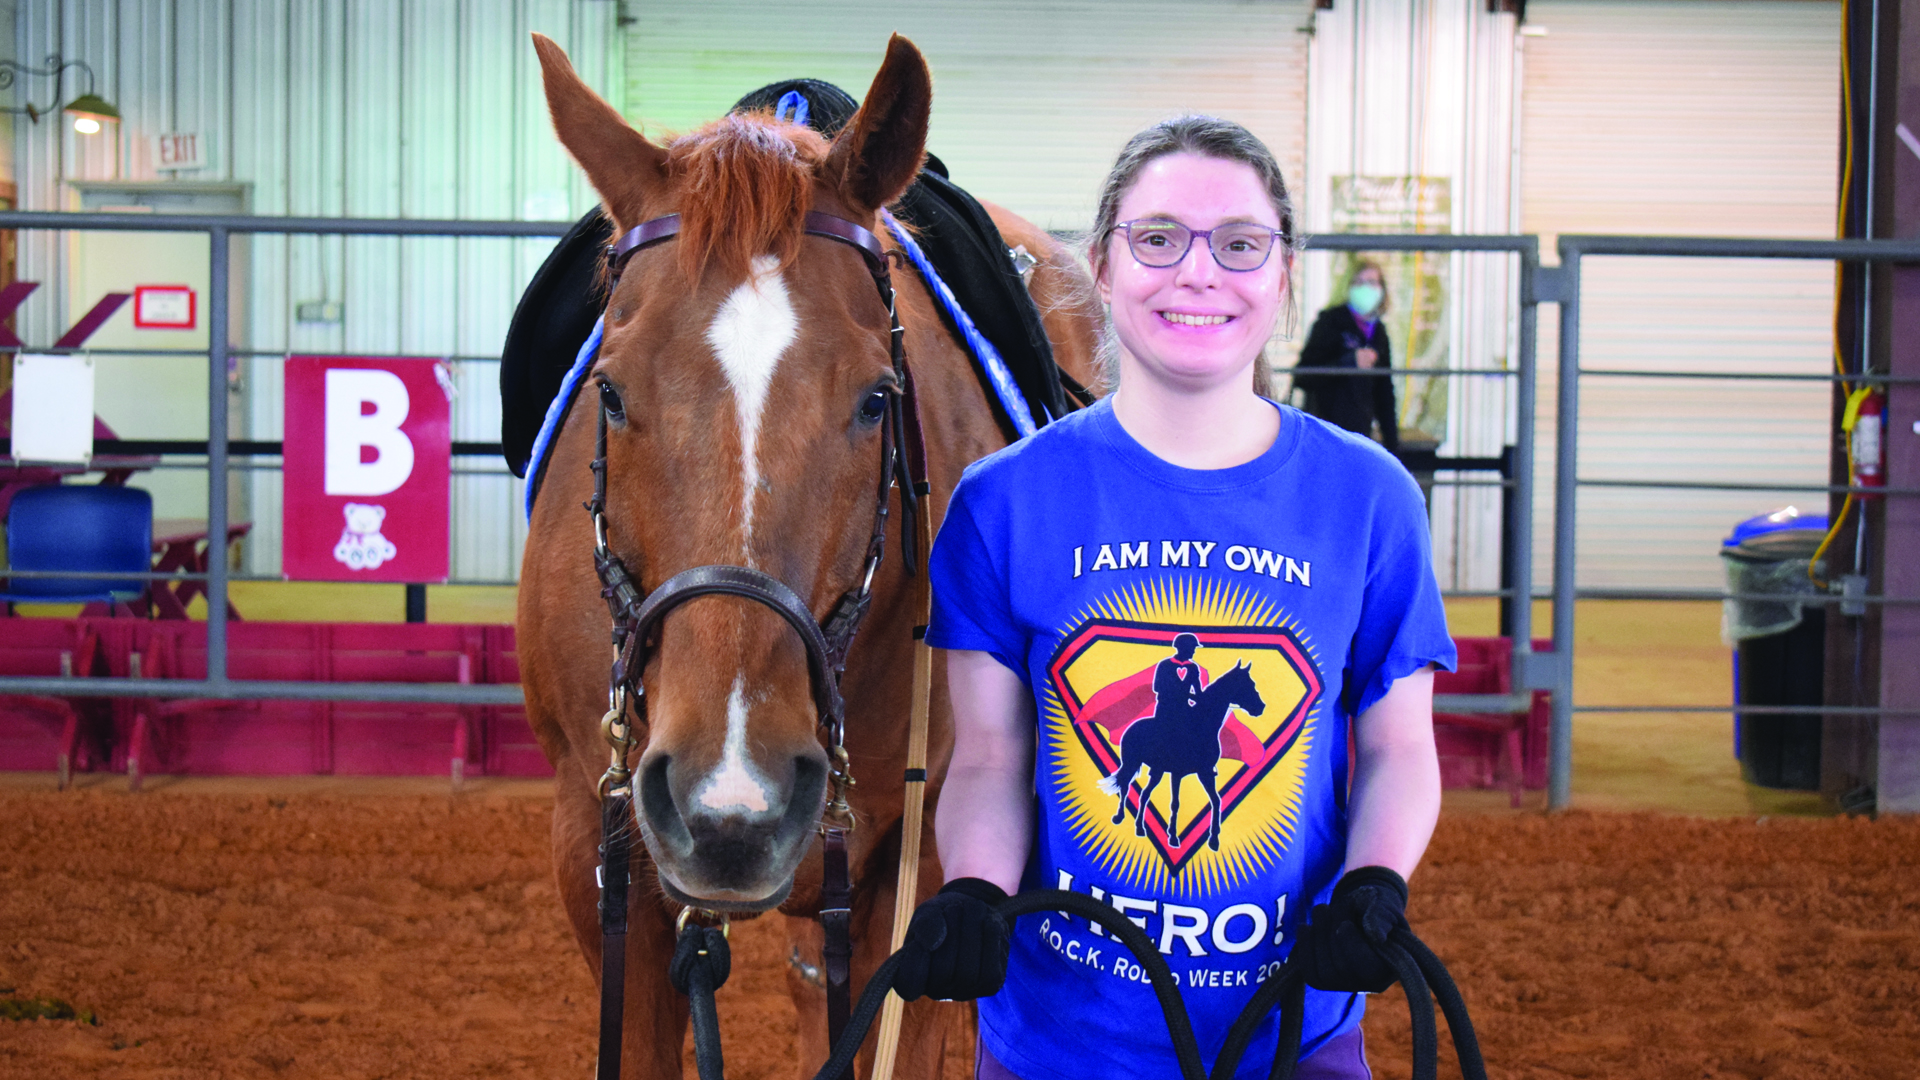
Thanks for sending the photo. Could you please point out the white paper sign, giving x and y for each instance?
(179, 150)
(163, 307)
(53, 408)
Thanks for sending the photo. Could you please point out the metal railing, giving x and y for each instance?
(1537, 284)
(219, 230)
(1561, 285)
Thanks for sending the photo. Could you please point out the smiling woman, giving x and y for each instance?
(1237, 679)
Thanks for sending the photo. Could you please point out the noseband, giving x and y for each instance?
(637, 614)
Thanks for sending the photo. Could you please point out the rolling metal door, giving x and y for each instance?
(1684, 118)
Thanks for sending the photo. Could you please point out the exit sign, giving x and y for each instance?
(179, 150)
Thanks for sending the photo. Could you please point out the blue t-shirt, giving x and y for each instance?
(1207, 636)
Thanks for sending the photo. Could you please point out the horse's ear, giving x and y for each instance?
(622, 165)
(880, 151)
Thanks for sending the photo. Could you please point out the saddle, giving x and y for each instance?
(557, 312)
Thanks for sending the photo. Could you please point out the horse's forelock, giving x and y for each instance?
(745, 185)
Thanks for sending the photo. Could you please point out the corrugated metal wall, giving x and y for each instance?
(358, 108)
(1032, 98)
(1687, 118)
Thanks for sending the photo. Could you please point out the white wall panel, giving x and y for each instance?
(361, 108)
(1685, 118)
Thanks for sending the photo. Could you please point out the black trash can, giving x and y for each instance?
(1780, 646)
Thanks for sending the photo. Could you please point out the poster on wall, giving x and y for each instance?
(1417, 283)
(368, 469)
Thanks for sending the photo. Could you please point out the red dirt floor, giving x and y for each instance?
(242, 935)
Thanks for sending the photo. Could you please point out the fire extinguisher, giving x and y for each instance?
(1865, 424)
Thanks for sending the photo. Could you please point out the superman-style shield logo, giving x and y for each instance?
(1234, 705)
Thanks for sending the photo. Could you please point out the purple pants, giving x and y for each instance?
(1342, 1058)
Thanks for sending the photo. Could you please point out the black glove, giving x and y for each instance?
(956, 947)
(1340, 946)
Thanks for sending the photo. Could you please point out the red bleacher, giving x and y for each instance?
(1507, 751)
(208, 737)
(200, 736)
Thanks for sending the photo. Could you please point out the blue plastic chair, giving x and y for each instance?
(79, 528)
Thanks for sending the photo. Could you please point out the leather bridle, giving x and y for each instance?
(636, 614)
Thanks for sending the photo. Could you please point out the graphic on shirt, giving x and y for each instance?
(1177, 732)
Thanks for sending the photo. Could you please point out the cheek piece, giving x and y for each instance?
(1340, 947)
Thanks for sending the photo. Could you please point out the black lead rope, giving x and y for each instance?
(1419, 970)
(700, 965)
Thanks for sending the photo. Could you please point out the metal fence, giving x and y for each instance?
(1535, 284)
(219, 230)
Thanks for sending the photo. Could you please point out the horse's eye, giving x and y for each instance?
(874, 407)
(610, 401)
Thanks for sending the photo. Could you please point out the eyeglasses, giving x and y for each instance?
(1240, 246)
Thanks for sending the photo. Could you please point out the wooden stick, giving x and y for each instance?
(907, 886)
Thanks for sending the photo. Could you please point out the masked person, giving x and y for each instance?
(1164, 615)
(1351, 335)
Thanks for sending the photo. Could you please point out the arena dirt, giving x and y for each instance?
(248, 936)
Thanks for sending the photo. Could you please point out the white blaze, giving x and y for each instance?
(736, 783)
(753, 327)
(749, 333)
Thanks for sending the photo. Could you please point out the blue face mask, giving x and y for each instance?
(1364, 299)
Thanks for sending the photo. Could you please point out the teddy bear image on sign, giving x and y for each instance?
(361, 546)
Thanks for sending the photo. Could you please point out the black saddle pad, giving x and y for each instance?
(557, 312)
(554, 318)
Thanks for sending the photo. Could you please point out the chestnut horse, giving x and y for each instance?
(738, 373)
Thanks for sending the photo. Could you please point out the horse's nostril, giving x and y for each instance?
(809, 792)
(656, 803)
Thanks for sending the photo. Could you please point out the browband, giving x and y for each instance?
(818, 224)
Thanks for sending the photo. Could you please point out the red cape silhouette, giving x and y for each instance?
(1122, 703)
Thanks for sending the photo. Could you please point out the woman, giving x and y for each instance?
(1186, 582)
(1352, 336)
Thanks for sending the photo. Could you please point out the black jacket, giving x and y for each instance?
(1354, 402)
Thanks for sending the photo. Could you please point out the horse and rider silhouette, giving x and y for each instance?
(1182, 737)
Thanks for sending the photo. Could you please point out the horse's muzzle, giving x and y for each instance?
(727, 861)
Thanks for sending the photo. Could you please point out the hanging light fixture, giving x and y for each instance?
(90, 111)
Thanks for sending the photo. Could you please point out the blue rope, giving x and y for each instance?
(557, 409)
(791, 106)
(1008, 391)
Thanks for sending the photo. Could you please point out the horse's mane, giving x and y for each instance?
(745, 183)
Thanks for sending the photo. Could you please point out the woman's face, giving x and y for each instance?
(1194, 324)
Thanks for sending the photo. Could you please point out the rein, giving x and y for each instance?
(1418, 969)
(700, 960)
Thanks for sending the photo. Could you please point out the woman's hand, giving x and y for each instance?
(1340, 945)
(1366, 358)
(956, 948)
